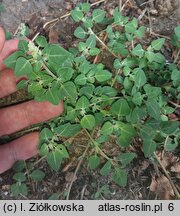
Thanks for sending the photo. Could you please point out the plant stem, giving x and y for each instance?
(168, 176)
(97, 147)
(177, 56)
(120, 5)
(124, 5)
(75, 173)
(174, 104)
(49, 72)
(104, 45)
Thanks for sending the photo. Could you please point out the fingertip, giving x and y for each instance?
(26, 146)
(21, 148)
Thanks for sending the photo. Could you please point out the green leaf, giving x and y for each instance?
(147, 132)
(56, 54)
(157, 44)
(23, 67)
(54, 160)
(46, 135)
(105, 170)
(137, 114)
(19, 166)
(23, 189)
(107, 128)
(137, 98)
(98, 15)
(138, 51)
(88, 22)
(175, 75)
(102, 138)
(140, 32)
(71, 113)
(117, 64)
(153, 108)
(87, 90)
(127, 83)
(81, 46)
(118, 18)
(82, 103)
(41, 41)
(126, 71)
(159, 58)
(23, 46)
(65, 73)
(152, 92)
(52, 95)
(8, 34)
(88, 122)
(154, 124)
(169, 127)
(91, 42)
(121, 49)
(149, 146)
(37, 175)
(18, 189)
(103, 75)
(131, 27)
(150, 55)
(80, 32)
(94, 51)
(43, 149)
(22, 84)
(120, 108)
(85, 7)
(170, 145)
(93, 161)
(140, 78)
(54, 196)
(127, 133)
(10, 62)
(177, 31)
(81, 79)
(67, 130)
(34, 87)
(120, 177)
(19, 177)
(77, 15)
(109, 91)
(126, 158)
(69, 91)
(15, 189)
(62, 151)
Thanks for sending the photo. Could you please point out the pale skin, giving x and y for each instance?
(18, 117)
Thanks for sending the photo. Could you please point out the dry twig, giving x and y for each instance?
(168, 176)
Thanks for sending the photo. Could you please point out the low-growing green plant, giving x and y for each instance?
(129, 99)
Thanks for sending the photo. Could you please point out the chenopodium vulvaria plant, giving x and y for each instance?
(128, 100)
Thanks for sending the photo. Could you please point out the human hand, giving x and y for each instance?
(17, 117)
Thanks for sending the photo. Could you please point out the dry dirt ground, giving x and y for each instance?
(163, 17)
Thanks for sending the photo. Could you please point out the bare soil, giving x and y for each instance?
(35, 13)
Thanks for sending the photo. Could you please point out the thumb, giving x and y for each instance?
(2, 39)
